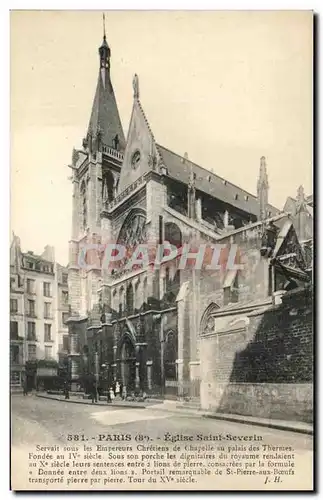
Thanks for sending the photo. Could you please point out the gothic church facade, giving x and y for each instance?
(143, 326)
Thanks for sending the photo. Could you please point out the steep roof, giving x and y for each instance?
(179, 169)
(105, 114)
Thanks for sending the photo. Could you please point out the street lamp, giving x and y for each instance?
(158, 317)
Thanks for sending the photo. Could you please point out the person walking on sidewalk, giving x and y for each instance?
(66, 390)
(111, 395)
(93, 390)
(25, 386)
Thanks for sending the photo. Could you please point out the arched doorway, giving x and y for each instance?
(128, 364)
(170, 356)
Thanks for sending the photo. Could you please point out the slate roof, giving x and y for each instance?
(105, 114)
(179, 169)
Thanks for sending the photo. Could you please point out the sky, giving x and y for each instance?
(225, 87)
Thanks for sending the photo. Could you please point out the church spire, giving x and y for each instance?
(262, 188)
(105, 118)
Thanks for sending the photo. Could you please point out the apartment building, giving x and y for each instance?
(38, 307)
(62, 311)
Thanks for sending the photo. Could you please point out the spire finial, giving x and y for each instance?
(104, 33)
(263, 177)
(104, 50)
(300, 194)
(135, 84)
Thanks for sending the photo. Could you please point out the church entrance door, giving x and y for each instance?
(128, 365)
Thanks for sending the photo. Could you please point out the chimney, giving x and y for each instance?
(49, 253)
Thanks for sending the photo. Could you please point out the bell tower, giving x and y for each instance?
(95, 173)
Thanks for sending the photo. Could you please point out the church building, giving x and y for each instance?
(143, 326)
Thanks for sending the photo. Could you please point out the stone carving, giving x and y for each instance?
(209, 326)
(98, 139)
(268, 240)
(208, 320)
(152, 161)
(116, 142)
(75, 157)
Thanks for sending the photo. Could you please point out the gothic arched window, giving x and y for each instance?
(132, 233)
(107, 186)
(129, 299)
(173, 234)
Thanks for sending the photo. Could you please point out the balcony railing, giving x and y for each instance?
(14, 337)
(112, 152)
(32, 338)
(31, 314)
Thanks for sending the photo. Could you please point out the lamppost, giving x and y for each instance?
(158, 317)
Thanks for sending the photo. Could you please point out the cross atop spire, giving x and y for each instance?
(104, 34)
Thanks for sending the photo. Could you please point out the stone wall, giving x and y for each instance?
(264, 368)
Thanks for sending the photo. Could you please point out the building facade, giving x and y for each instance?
(144, 325)
(37, 284)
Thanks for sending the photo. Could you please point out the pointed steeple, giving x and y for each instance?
(141, 154)
(262, 188)
(105, 117)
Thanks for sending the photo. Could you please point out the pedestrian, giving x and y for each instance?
(25, 386)
(66, 390)
(94, 394)
(111, 394)
(124, 393)
(117, 389)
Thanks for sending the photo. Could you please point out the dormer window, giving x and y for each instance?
(246, 197)
(224, 182)
(236, 196)
(209, 178)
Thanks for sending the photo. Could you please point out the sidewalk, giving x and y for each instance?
(284, 425)
(81, 400)
(176, 407)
